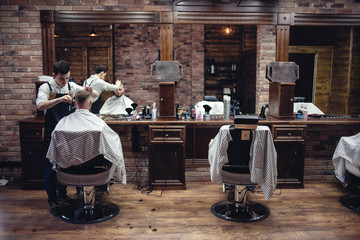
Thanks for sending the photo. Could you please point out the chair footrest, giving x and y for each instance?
(102, 211)
(235, 211)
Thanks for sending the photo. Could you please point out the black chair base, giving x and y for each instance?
(351, 202)
(101, 212)
(234, 211)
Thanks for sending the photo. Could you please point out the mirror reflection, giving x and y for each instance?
(222, 63)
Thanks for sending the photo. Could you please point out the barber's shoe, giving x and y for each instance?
(54, 209)
(67, 200)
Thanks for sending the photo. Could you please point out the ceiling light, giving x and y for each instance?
(227, 30)
(93, 34)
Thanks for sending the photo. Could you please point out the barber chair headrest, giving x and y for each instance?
(246, 122)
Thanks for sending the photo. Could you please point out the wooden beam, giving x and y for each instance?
(106, 17)
(313, 19)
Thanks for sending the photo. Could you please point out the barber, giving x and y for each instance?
(97, 82)
(56, 99)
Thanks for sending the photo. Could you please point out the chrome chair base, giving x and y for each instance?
(351, 201)
(100, 212)
(238, 212)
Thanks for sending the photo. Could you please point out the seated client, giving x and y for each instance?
(82, 136)
(117, 103)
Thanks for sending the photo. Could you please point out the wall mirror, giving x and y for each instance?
(328, 58)
(84, 46)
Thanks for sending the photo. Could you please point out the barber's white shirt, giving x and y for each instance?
(263, 158)
(82, 136)
(99, 85)
(44, 90)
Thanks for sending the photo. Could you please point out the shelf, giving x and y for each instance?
(221, 73)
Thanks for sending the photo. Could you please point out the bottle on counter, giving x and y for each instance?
(154, 112)
(192, 111)
(179, 112)
(212, 68)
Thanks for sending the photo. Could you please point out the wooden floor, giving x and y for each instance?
(309, 213)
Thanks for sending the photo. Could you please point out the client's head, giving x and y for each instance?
(83, 100)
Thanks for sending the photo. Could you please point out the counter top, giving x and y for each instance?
(114, 120)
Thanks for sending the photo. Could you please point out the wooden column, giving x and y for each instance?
(283, 37)
(281, 95)
(48, 41)
(282, 43)
(166, 42)
(166, 89)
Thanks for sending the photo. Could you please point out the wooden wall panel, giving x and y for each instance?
(340, 73)
(74, 56)
(224, 51)
(322, 71)
(354, 98)
(93, 50)
(100, 56)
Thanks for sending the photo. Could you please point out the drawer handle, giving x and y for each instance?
(37, 133)
(289, 134)
(166, 135)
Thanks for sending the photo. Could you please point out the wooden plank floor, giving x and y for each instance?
(309, 213)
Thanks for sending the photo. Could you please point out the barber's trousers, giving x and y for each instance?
(52, 184)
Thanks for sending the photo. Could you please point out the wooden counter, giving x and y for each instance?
(304, 148)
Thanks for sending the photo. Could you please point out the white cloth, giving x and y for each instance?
(116, 105)
(217, 108)
(348, 149)
(263, 158)
(99, 85)
(82, 136)
(44, 90)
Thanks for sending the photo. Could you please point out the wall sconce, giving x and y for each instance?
(227, 30)
(93, 34)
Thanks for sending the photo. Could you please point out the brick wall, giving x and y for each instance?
(319, 149)
(136, 47)
(21, 56)
(189, 51)
(265, 53)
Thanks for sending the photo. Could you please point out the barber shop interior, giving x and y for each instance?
(180, 119)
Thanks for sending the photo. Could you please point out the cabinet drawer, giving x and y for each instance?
(161, 134)
(32, 133)
(289, 133)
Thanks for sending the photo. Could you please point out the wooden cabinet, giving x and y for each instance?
(166, 157)
(289, 142)
(31, 138)
(281, 99)
(167, 99)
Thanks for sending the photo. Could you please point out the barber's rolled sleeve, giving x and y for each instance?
(43, 94)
